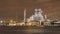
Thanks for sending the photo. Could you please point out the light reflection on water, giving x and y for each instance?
(33, 31)
(48, 30)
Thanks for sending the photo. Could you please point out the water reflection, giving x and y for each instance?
(30, 30)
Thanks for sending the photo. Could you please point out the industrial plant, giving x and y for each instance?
(37, 19)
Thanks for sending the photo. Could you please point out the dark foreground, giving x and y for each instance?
(29, 30)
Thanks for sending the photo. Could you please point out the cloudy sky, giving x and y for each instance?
(8, 8)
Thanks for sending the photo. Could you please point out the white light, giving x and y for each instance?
(1, 21)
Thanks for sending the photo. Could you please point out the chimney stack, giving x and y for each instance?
(25, 20)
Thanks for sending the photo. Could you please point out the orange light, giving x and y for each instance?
(29, 24)
(11, 21)
(17, 24)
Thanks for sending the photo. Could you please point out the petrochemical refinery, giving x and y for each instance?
(37, 19)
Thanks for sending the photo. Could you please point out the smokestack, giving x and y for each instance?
(24, 15)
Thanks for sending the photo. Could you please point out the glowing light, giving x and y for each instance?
(1, 21)
(11, 21)
(29, 24)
